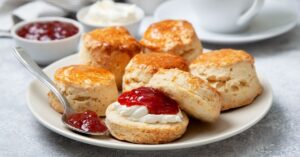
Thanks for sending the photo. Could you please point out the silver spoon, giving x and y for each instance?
(31, 66)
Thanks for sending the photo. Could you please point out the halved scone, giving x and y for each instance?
(146, 121)
(193, 95)
(138, 132)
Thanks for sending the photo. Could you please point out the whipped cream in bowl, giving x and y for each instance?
(139, 113)
(107, 13)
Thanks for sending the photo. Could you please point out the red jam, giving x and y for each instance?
(46, 31)
(155, 101)
(87, 121)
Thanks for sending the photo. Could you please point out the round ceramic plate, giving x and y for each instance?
(275, 18)
(229, 124)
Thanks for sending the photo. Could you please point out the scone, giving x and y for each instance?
(172, 36)
(85, 88)
(146, 116)
(141, 68)
(232, 73)
(193, 95)
(110, 48)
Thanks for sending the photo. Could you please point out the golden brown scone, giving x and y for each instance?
(193, 95)
(172, 36)
(144, 133)
(54, 103)
(85, 88)
(110, 48)
(142, 67)
(232, 73)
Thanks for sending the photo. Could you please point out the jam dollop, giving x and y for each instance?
(87, 121)
(46, 31)
(155, 101)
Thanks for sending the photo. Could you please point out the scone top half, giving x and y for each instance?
(193, 94)
(143, 66)
(110, 48)
(232, 73)
(85, 88)
(172, 36)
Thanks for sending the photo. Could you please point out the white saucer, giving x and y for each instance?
(229, 124)
(276, 17)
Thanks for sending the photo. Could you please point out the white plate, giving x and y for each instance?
(276, 17)
(198, 133)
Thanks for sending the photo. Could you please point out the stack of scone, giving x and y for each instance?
(110, 48)
(164, 79)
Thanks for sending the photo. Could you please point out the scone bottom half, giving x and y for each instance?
(141, 133)
(124, 124)
(85, 87)
(232, 73)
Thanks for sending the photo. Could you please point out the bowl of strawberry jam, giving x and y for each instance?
(48, 39)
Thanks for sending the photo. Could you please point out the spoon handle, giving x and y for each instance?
(31, 66)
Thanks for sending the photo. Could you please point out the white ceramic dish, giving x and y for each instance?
(198, 133)
(133, 27)
(45, 52)
(275, 18)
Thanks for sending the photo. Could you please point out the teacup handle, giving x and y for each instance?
(251, 12)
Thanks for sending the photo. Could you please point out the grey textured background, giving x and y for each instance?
(278, 134)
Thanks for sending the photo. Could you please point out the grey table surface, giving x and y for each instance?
(277, 134)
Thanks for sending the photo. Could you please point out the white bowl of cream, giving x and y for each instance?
(108, 13)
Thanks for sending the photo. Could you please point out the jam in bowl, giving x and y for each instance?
(49, 38)
(49, 30)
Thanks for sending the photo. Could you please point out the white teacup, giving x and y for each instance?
(226, 16)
